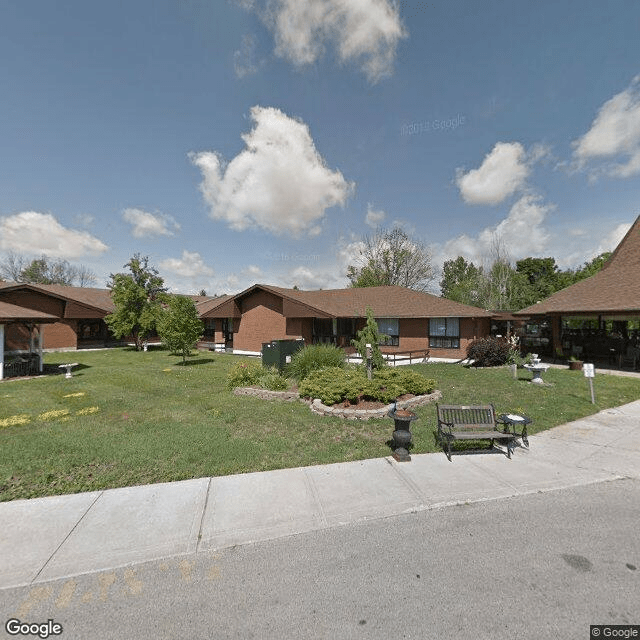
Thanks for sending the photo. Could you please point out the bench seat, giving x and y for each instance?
(470, 422)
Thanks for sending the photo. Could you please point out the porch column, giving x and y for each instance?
(40, 341)
(556, 335)
(1, 351)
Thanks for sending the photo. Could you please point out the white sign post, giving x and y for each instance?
(590, 373)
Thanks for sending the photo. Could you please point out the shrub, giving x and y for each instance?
(313, 358)
(244, 374)
(273, 380)
(489, 352)
(369, 334)
(336, 385)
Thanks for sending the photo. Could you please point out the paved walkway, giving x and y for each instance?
(60, 536)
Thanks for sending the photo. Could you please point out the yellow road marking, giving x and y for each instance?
(37, 594)
(66, 594)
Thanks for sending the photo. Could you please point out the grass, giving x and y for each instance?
(129, 418)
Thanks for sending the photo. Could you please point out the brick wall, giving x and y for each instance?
(60, 335)
(262, 321)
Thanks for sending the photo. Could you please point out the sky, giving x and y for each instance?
(236, 142)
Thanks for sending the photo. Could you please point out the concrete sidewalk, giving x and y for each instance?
(60, 536)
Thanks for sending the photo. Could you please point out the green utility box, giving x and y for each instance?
(277, 353)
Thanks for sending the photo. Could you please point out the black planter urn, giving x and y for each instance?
(402, 433)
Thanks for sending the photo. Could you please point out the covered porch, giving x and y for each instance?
(21, 340)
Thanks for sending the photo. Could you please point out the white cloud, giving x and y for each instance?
(366, 32)
(522, 232)
(149, 224)
(190, 265)
(31, 232)
(615, 132)
(503, 172)
(279, 182)
(244, 62)
(374, 218)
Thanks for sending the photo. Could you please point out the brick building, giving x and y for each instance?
(413, 320)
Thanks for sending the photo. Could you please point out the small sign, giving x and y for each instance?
(589, 370)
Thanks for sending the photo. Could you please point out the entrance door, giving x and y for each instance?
(227, 332)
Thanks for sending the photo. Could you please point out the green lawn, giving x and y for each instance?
(130, 418)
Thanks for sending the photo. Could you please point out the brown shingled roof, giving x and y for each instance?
(99, 299)
(14, 313)
(616, 288)
(386, 302)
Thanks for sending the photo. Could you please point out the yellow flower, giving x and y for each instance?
(13, 420)
(74, 395)
(53, 415)
(88, 410)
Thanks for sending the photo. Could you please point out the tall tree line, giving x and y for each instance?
(17, 268)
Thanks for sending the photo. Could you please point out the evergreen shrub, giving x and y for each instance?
(335, 385)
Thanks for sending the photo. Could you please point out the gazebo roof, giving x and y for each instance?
(614, 289)
(13, 313)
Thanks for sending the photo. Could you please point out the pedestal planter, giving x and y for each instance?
(402, 433)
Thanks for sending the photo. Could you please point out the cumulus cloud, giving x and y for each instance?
(32, 232)
(522, 232)
(149, 224)
(615, 133)
(374, 218)
(279, 182)
(190, 265)
(503, 172)
(365, 32)
(588, 244)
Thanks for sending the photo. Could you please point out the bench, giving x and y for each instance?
(470, 422)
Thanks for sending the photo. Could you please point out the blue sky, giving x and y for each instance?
(244, 141)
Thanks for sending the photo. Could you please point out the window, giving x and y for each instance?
(444, 333)
(209, 327)
(389, 327)
(324, 330)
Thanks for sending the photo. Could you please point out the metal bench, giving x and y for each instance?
(470, 422)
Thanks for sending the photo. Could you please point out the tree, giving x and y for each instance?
(43, 270)
(179, 326)
(592, 267)
(137, 297)
(369, 335)
(461, 281)
(12, 266)
(392, 258)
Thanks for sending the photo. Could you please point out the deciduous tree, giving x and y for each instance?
(137, 297)
(179, 326)
(392, 258)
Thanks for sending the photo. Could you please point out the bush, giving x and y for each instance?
(244, 374)
(489, 352)
(273, 380)
(252, 373)
(336, 385)
(313, 358)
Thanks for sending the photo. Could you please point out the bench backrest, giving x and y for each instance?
(467, 417)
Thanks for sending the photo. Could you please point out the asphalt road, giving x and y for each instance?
(539, 566)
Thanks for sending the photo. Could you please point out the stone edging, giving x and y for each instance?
(364, 414)
(265, 394)
(317, 407)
